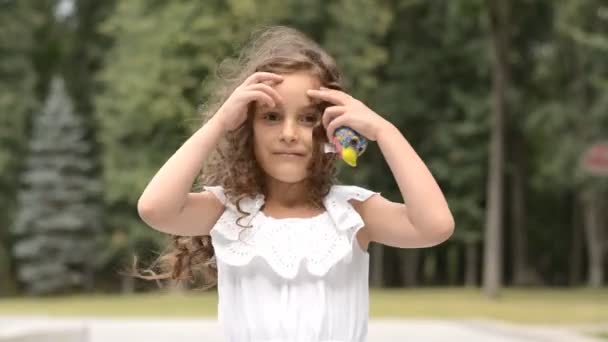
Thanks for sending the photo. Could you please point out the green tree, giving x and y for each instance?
(571, 78)
(56, 227)
(21, 21)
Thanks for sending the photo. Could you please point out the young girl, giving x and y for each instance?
(289, 245)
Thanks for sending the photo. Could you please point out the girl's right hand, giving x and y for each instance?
(233, 113)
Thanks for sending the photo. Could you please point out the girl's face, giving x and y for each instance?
(283, 135)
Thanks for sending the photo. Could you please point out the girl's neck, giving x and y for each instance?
(288, 200)
(287, 195)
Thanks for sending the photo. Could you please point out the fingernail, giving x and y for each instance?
(323, 88)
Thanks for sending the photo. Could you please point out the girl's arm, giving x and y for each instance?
(166, 203)
(427, 207)
(426, 220)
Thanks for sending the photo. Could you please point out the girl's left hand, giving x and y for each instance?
(348, 111)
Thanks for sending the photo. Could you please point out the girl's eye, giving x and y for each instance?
(311, 119)
(271, 116)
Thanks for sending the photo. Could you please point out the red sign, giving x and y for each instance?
(595, 159)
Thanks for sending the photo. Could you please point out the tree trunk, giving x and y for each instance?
(7, 280)
(377, 265)
(409, 259)
(441, 266)
(472, 260)
(127, 283)
(453, 263)
(593, 234)
(523, 274)
(492, 266)
(575, 266)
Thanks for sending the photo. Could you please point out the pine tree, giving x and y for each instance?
(57, 224)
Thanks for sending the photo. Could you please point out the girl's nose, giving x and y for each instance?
(289, 131)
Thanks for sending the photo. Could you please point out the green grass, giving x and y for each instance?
(534, 306)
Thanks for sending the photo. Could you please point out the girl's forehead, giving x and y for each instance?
(293, 90)
(296, 84)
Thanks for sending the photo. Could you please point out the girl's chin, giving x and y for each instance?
(288, 175)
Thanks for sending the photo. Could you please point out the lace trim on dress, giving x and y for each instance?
(285, 243)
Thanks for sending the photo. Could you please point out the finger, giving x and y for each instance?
(334, 124)
(330, 95)
(270, 91)
(260, 97)
(261, 76)
(331, 113)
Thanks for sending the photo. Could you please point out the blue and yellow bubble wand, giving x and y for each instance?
(348, 144)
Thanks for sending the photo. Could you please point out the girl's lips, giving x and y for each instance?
(289, 155)
(301, 154)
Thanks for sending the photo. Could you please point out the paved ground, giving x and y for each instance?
(196, 330)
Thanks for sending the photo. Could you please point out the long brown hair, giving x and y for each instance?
(232, 164)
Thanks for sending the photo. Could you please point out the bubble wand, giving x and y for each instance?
(348, 144)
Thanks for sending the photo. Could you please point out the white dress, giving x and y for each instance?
(292, 279)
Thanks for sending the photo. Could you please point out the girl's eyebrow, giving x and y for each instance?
(310, 106)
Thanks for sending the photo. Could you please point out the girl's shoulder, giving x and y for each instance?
(348, 192)
(321, 241)
(338, 194)
(245, 203)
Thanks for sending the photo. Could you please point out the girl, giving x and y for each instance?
(289, 245)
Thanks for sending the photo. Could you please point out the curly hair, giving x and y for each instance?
(232, 164)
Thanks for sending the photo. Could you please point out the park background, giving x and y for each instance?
(502, 100)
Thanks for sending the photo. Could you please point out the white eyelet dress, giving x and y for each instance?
(292, 279)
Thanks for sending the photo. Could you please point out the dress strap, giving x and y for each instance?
(250, 205)
(218, 191)
(341, 210)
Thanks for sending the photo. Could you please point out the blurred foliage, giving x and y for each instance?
(138, 71)
(58, 222)
(21, 22)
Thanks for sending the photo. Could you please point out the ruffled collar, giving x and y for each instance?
(343, 219)
(319, 242)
